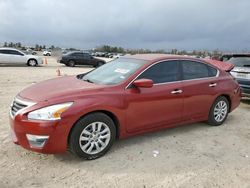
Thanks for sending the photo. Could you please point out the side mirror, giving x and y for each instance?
(143, 83)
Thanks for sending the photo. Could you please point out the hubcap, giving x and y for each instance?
(94, 138)
(32, 62)
(220, 111)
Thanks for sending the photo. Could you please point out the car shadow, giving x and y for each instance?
(81, 66)
(16, 65)
(119, 145)
(246, 101)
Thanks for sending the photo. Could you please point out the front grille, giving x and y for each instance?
(16, 106)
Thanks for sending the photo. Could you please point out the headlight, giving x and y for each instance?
(50, 112)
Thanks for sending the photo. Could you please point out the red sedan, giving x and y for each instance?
(128, 96)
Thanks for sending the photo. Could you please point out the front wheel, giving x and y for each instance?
(219, 111)
(92, 136)
(32, 62)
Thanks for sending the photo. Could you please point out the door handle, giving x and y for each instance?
(177, 91)
(212, 84)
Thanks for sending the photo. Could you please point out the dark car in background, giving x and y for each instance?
(80, 58)
(241, 70)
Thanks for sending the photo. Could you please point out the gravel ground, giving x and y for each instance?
(195, 155)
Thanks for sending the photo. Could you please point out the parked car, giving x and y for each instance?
(30, 51)
(128, 96)
(100, 54)
(109, 55)
(80, 58)
(241, 70)
(47, 53)
(117, 55)
(14, 56)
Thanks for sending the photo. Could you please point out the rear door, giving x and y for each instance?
(87, 59)
(200, 86)
(158, 106)
(78, 58)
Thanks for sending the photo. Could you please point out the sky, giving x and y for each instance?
(151, 24)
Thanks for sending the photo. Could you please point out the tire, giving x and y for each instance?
(219, 111)
(71, 63)
(97, 132)
(32, 62)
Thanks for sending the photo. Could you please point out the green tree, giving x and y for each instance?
(37, 47)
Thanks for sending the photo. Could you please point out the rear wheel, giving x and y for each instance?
(92, 136)
(219, 111)
(32, 62)
(71, 63)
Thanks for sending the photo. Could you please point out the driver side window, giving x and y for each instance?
(163, 72)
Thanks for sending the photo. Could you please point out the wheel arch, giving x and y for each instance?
(32, 59)
(229, 100)
(108, 113)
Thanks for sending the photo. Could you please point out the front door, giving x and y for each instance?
(158, 106)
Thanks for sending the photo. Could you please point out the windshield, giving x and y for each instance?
(240, 61)
(114, 72)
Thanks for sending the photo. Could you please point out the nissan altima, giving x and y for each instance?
(128, 96)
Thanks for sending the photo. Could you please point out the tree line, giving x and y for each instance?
(19, 45)
(116, 49)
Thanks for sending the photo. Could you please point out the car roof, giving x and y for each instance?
(158, 57)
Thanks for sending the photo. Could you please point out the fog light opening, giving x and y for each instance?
(37, 141)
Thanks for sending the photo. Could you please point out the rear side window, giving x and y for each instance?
(86, 56)
(163, 72)
(4, 51)
(78, 54)
(195, 70)
(212, 71)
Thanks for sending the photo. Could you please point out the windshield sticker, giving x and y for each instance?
(122, 71)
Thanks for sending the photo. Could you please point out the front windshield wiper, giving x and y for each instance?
(88, 80)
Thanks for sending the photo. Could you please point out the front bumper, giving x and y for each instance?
(40, 136)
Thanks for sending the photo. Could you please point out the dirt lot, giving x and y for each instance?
(196, 155)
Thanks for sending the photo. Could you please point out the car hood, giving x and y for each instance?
(57, 88)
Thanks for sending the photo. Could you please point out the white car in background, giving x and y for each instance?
(14, 56)
(47, 53)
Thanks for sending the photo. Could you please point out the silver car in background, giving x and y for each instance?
(241, 71)
(14, 56)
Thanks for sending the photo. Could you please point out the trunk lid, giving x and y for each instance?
(221, 65)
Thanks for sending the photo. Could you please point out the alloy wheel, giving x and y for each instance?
(220, 111)
(94, 138)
